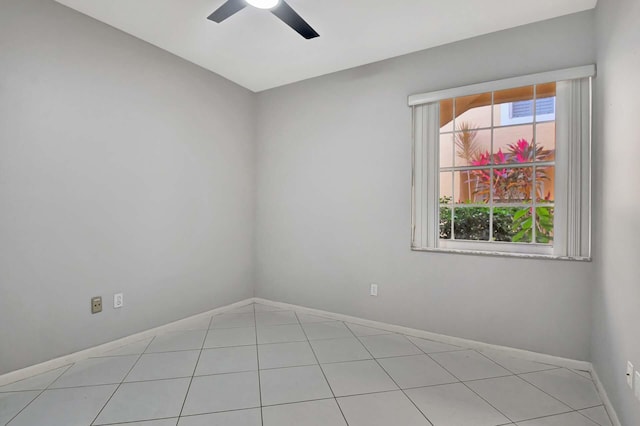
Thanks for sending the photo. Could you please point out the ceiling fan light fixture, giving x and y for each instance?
(280, 8)
(263, 4)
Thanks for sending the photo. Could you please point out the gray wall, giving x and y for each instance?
(334, 165)
(616, 318)
(122, 168)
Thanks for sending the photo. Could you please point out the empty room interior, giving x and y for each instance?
(319, 213)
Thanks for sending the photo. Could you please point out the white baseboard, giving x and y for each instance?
(457, 341)
(33, 370)
(605, 398)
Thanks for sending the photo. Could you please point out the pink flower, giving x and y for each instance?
(502, 173)
(523, 145)
(482, 160)
(521, 150)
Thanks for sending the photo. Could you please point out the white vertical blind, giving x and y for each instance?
(426, 210)
(573, 177)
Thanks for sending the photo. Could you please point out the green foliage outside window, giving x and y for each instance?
(510, 224)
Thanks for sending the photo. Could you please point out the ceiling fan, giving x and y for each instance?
(278, 7)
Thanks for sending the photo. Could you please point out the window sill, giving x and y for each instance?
(502, 254)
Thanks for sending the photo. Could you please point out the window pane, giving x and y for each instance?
(545, 180)
(446, 150)
(513, 144)
(471, 186)
(474, 110)
(511, 106)
(546, 90)
(502, 223)
(446, 115)
(546, 141)
(545, 109)
(512, 185)
(472, 146)
(471, 223)
(546, 102)
(544, 225)
(522, 109)
(445, 223)
(513, 224)
(446, 187)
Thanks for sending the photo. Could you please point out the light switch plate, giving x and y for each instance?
(118, 300)
(638, 385)
(630, 374)
(374, 290)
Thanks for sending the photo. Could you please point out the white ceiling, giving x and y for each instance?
(256, 50)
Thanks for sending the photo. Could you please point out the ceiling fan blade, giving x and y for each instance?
(226, 10)
(292, 19)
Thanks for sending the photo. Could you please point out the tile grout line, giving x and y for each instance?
(457, 378)
(195, 367)
(314, 400)
(574, 371)
(262, 369)
(150, 353)
(542, 390)
(553, 367)
(595, 406)
(320, 367)
(138, 421)
(121, 382)
(255, 325)
(571, 410)
(260, 344)
(236, 314)
(274, 368)
(378, 334)
(39, 374)
(513, 374)
(41, 391)
(555, 415)
(557, 399)
(387, 373)
(58, 378)
(474, 392)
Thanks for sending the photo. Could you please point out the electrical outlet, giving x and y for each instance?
(638, 385)
(630, 374)
(374, 290)
(96, 304)
(118, 300)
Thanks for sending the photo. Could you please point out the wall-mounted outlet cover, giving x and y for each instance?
(630, 374)
(374, 290)
(118, 300)
(96, 304)
(638, 385)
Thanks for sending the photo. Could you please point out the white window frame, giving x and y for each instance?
(572, 219)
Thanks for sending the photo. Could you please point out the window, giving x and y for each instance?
(504, 167)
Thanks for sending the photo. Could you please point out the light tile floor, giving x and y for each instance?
(264, 366)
